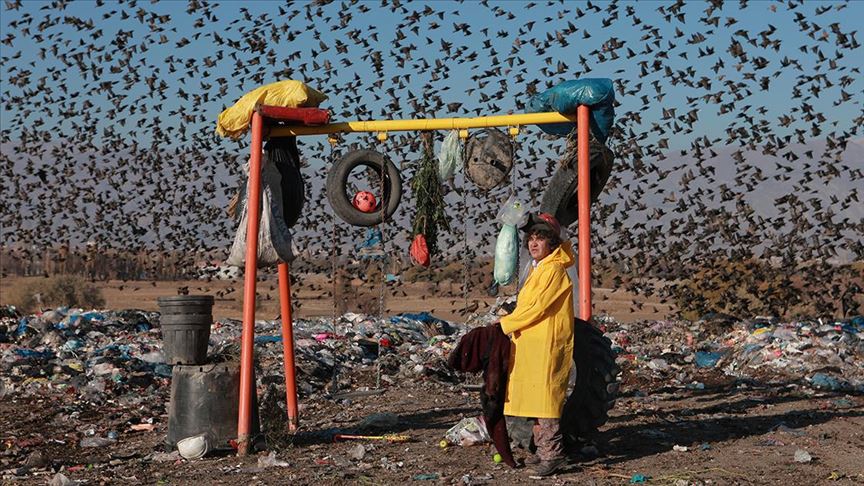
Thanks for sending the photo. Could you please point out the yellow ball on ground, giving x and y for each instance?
(497, 458)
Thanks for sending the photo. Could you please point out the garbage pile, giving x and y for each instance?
(107, 355)
(826, 355)
(111, 355)
(97, 355)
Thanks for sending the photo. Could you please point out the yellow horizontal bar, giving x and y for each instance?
(425, 124)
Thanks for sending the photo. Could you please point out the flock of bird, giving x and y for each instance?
(109, 113)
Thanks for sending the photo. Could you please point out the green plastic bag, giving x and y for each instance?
(506, 254)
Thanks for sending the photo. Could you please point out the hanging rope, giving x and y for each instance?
(513, 148)
(333, 243)
(463, 190)
(383, 240)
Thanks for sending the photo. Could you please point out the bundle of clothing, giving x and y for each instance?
(487, 349)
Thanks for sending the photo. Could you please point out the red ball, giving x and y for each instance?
(364, 201)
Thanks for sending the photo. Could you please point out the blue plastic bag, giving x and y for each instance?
(506, 254)
(565, 97)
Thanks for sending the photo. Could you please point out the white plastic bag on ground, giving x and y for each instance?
(469, 431)
(506, 255)
(450, 156)
(274, 236)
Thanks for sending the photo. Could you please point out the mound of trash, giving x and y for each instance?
(822, 354)
(104, 355)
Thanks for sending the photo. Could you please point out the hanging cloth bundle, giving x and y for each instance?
(281, 202)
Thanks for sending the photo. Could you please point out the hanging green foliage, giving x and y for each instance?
(426, 186)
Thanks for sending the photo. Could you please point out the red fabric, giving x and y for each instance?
(419, 251)
(304, 116)
(487, 349)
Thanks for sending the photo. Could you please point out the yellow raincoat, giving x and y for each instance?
(542, 328)
(235, 120)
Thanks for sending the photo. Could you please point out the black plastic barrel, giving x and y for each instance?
(205, 400)
(185, 322)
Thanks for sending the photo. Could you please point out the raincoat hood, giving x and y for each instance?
(563, 255)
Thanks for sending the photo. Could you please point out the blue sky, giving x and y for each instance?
(756, 17)
(181, 119)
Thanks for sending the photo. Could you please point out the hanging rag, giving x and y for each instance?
(487, 349)
(274, 236)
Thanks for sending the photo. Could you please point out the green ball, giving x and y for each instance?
(497, 458)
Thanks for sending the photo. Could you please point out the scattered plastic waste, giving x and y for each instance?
(357, 452)
(639, 479)
(802, 456)
(826, 352)
(270, 460)
(87, 442)
(705, 359)
(426, 476)
(469, 431)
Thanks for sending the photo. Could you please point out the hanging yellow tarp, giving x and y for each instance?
(235, 120)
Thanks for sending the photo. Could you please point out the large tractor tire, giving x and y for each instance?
(596, 385)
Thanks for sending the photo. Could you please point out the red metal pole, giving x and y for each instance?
(247, 351)
(288, 346)
(584, 200)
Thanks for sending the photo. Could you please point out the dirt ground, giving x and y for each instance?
(735, 433)
(313, 298)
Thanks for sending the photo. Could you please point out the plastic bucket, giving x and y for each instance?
(185, 322)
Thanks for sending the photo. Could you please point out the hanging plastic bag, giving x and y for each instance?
(513, 212)
(419, 251)
(506, 255)
(450, 156)
(469, 431)
(274, 237)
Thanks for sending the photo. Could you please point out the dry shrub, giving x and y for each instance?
(57, 291)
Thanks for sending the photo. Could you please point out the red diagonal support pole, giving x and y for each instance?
(247, 351)
(584, 199)
(288, 345)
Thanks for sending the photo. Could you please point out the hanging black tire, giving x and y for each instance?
(560, 198)
(337, 181)
(596, 386)
(283, 152)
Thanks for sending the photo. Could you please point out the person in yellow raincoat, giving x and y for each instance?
(541, 330)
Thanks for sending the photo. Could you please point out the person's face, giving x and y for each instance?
(538, 247)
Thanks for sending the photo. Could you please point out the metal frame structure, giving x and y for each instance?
(247, 351)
